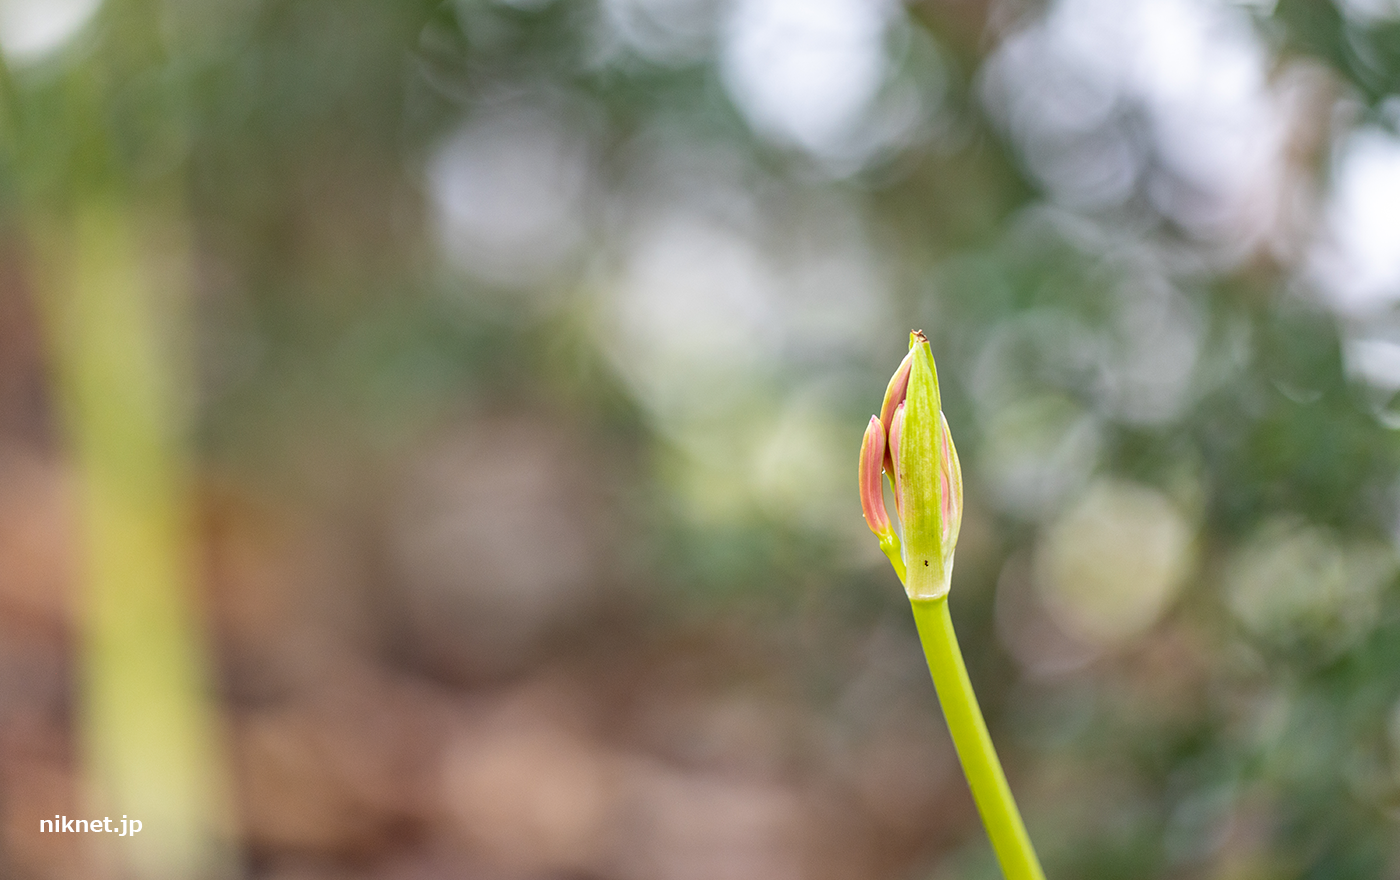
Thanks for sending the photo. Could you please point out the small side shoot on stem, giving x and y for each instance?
(910, 443)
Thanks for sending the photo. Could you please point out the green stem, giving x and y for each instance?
(974, 744)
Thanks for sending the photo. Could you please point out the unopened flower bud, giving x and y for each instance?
(911, 442)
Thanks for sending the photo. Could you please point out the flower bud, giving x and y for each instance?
(911, 442)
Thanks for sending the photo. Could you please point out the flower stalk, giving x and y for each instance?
(911, 444)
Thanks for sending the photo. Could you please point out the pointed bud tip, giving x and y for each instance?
(895, 393)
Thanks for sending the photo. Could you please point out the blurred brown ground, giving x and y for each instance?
(400, 701)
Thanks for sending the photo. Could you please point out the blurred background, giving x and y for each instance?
(428, 435)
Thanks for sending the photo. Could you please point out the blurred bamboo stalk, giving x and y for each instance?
(112, 285)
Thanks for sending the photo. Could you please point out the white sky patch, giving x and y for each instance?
(703, 307)
(1375, 360)
(1371, 10)
(805, 72)
(691, 316)
(508, 189)
(694, 326)
(1357, 262)
(723, 276)
(31, 30)
(728, 304)
(1099, 94)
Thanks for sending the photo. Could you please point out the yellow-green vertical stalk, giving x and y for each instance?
(911, 443)
(973, 742)
(111, 298)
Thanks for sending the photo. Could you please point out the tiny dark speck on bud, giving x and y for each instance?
(925, 563)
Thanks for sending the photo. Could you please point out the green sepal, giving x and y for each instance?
(929, 562)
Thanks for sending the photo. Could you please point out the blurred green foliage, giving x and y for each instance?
(298, 137)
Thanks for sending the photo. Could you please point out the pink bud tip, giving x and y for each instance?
(895, 393)
(872, 484)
